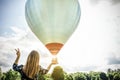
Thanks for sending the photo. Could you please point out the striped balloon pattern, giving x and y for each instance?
(53, 21)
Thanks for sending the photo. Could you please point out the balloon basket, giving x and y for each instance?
(54, 59)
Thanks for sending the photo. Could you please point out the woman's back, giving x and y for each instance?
(32, 68)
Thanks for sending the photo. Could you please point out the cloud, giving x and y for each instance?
(109, 1)
(5, 59)
(4, 62)
(115, 1)
(113, 60)
(95, 1)
(80, 68)
(88, 68)
(23, 39)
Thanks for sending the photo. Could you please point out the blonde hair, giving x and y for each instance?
(32, 65)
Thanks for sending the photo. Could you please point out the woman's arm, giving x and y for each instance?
(54, 61)
(15, 65)
(48, 68)
(18, 55)
(45, 71)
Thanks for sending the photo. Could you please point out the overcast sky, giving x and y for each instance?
(95, 45)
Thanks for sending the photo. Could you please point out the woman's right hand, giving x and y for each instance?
(17, 52)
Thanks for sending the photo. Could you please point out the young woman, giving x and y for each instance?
(31, 69)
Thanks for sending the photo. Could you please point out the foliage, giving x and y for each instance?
(103, 76)
(59, 74)
(10, 75)
(79, 76)
(68, 76)
(116, 76)
(1, 73)
(41, 77)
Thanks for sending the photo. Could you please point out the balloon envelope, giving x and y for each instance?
(52, 21)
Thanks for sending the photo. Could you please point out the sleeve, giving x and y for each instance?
(17, 67)
(43, 71)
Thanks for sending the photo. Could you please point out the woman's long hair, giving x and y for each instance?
(32, 65)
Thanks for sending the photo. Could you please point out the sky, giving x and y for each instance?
(94, 46)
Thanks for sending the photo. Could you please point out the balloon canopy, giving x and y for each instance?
(52, 21)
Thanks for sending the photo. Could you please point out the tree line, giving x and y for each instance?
(59, 74)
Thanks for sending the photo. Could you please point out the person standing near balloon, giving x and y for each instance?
(31, 69)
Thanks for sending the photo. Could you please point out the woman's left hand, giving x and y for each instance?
(17, 52)
(54, 61)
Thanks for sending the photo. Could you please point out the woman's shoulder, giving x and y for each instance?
(43, 70)
(17, 67)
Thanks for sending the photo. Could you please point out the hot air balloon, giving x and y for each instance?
(52, 21)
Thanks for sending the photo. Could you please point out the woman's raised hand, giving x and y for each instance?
(17, 52)
(54, 61)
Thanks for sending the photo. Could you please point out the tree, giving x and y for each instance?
(109, 70)
(41, 77)
(88, 76)
(58, 73)
(79, 76)
(68, 76)
(1, 73)
(94, 75)
(116, 76)
(12, 75)
(4, 76)
(103, 76)
(110, 76)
